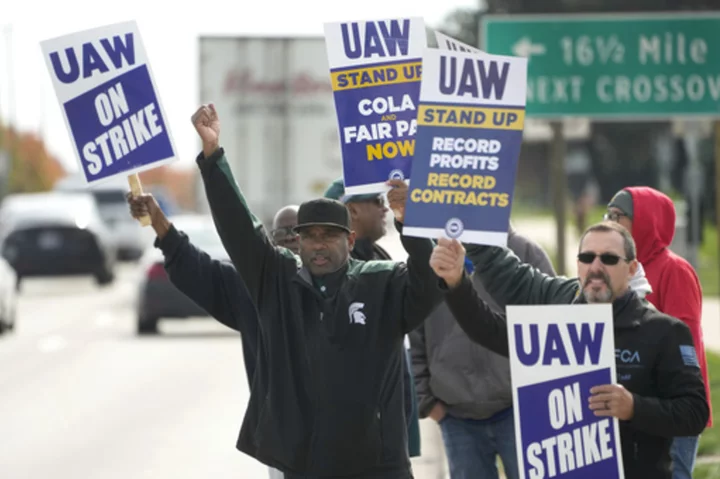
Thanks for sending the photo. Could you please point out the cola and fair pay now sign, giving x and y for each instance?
(614, 66)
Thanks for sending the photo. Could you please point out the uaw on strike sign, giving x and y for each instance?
(107, 94)
(557, 354)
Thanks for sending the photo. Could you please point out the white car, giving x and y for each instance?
(131, 237)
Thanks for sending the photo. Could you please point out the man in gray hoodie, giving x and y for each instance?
(466, 388)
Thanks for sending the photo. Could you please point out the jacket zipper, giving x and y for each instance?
(380, 433)
(313, 398)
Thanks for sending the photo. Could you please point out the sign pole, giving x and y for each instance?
(716, 131)
(559, 182)
(137, 190)
(693, 190)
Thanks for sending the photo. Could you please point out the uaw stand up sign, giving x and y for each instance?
(470, 125)
(375, 68)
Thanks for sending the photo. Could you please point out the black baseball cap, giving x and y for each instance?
(323, 212)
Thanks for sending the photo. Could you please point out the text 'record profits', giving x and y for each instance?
(470, 123)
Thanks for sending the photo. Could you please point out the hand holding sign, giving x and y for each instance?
(448, 261)
(612, 400)
(136, 190)
(144, 205)
(207, 124)
(397, 197)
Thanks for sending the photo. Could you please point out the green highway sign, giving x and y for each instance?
(614, 66)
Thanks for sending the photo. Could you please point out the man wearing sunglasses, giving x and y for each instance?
(466, 388)
(676, 287)
(367, 219)
(660, 392)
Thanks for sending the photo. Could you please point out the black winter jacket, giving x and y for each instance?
(326, 398)
(215, 286)
(366, 250)
(668, 391)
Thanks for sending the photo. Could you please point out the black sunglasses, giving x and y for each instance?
(607, 259)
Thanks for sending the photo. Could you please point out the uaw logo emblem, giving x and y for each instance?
(396, 175)
(454, 228)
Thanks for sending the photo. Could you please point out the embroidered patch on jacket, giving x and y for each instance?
(689, 356)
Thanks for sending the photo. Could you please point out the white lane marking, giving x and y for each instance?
(51, 344)
(104, 319)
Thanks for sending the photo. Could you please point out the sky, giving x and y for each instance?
(29, 101)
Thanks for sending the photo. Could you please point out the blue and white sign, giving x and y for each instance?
(557, 354)
(375, 69)
(108, 97)
(446, 42)
(470, 124)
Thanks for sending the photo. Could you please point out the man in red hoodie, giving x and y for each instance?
(676, 290)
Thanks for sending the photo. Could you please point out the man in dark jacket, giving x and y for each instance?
(327, 394)
(212, 284)
(660, 393)
(466, 387)
(367, 220)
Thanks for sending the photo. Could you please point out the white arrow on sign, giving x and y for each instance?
(525, 48)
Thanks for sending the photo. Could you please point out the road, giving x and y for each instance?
(82, 397)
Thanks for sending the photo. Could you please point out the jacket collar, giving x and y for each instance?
(627, 309)
(326, 285)
(363, 249)
(367, 250)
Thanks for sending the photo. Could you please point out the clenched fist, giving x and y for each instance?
(448, 261)
(207, 124)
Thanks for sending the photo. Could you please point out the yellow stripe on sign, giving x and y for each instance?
(471, 117)
(374, 76)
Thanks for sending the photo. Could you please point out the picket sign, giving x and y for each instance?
(108, 97)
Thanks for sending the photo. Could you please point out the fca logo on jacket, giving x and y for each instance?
(626, 356)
